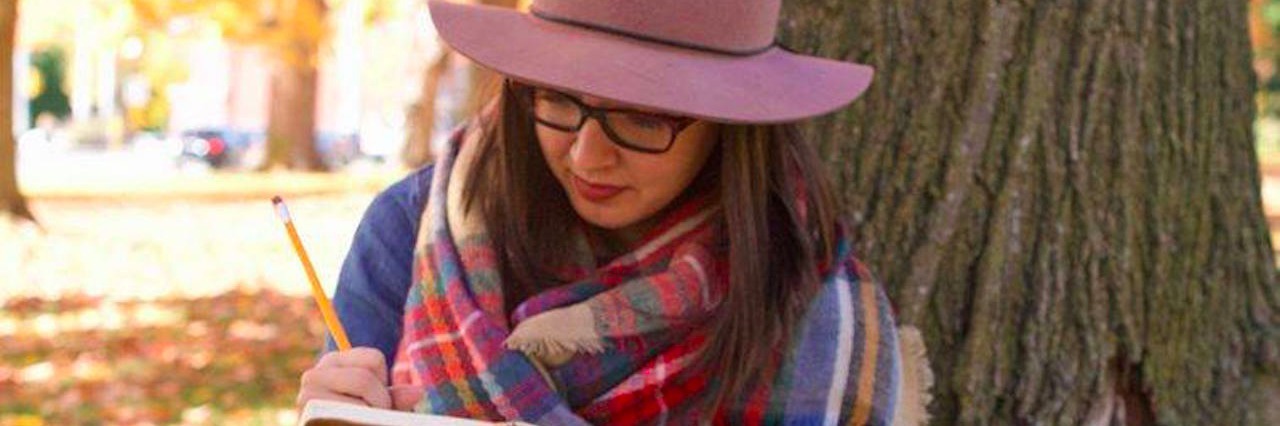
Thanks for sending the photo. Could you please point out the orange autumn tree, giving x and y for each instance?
(294, 32)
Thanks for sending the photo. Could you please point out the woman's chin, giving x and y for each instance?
(606, 221)
(611, 218)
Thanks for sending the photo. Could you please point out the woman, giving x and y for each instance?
(634, 232)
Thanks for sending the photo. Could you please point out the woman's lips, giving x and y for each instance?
(592, 191)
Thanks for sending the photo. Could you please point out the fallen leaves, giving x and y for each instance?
(228, 359)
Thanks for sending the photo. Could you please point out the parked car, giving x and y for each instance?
(338, 149)
(220, 148)
(223, 148)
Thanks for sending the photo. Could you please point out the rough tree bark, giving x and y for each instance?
(291, 121)
(11, 200)
(1064, 196)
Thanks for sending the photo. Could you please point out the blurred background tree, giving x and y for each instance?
(294, 32)
(11, 200)
(481, 85)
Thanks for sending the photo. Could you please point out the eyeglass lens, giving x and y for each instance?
(637, 129)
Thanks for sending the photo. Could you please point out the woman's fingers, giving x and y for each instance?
(357, 383)
(308, 394)
(357, 375)
(404, 398)
(367, 358)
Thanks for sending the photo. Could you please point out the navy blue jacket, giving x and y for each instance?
(376, 275)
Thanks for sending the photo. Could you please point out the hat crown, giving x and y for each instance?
(730, 26)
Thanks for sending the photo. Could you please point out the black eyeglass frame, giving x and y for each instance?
(528, 97)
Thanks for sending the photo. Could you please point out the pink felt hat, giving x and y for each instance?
(710, 59)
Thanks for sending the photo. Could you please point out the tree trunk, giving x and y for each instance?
(1064, 197)
(482, 87)
(422, 119)
(11, 200)
(291, 141)
(291, 123)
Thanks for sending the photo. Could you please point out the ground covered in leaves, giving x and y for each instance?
(233, 358)
(163, 311)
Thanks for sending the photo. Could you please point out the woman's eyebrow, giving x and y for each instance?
(609, 105)
(612, 105)
(638, 110)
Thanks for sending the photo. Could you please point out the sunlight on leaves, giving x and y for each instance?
(233, 358)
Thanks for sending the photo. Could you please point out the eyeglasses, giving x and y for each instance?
(631, 129)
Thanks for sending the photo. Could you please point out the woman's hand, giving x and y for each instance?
(357, 376)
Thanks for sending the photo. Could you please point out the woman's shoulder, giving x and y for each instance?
(401, 203)
(414, 187)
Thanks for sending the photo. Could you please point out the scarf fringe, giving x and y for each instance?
(555, 352)
(917, 379)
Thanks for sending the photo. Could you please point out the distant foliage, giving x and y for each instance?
(51, 65)
(1265, 30)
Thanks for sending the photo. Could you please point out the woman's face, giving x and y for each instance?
(614, 187)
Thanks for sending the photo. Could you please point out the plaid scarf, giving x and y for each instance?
(616, 345)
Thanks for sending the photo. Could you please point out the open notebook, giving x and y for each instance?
(331, 413)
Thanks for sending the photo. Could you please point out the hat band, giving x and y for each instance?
(649, 38)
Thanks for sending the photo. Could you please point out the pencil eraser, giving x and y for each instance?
(281, 210)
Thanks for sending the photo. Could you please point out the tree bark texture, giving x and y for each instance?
(1064, 197)
(11, 200)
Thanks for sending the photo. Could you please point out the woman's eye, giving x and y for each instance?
(644, 121)
(552, 98)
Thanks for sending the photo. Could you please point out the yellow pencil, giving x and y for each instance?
(326, 309)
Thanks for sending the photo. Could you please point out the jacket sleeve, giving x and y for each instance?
(376, 275)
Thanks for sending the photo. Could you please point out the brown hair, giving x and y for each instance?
(776, 240)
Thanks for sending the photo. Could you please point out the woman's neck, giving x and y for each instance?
(611, 243)
(629, 236)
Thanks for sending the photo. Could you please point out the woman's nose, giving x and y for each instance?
(592, 148)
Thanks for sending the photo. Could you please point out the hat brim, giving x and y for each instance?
(768, 87)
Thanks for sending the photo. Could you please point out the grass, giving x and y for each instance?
(213, 186)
